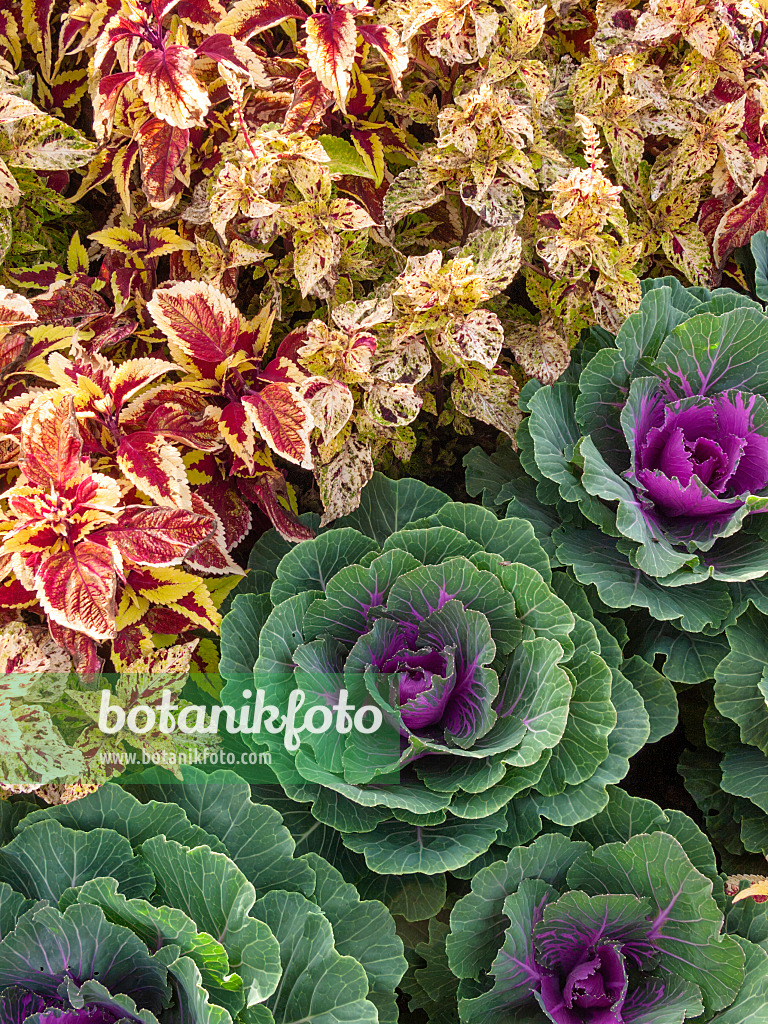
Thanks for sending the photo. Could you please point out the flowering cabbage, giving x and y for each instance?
(499, 691)
(655, 454)
(620, 924)
(188, 904)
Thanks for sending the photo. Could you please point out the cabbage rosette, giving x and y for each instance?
(499, 691)
(622, 923)
(188, 904)
(654, 453)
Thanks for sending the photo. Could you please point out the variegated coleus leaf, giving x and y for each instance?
(155, 467)
(167, 600)
(212, 555)
(44, 143)
(141, 681)
(331, 405)
(34, 672)
(161, 148)
(331, 48)
(33, 751)
(198, 320)
(342, 480)
(247, 17)
(489, 397)
(283, 419)
(540, 350)
(32, 665)
(159, 536)
(69, 536)
(15, 310)
(204, 330)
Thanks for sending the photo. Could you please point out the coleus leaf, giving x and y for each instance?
(158, 536)
(51, 444)
(741, 222)
(10, 193)
(15, 310)
(331, 48)
(161, 147)
(283, 418)
(45, 143)
(388, 43)
(247, 17)
(76, 587)
(36, 22)
(155, 467)
(211, 556)
(168, 85)
(198, 318)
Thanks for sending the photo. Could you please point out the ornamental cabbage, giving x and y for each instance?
(651, 456)
(186, 904)
(622, 923)
(501, 694)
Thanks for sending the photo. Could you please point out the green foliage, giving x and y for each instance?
(502, 696)
(187, 901)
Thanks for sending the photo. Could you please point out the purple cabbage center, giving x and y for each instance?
(592, 992)
(699, 458)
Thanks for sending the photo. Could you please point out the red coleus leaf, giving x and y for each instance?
(169, 87)
(69, 302)
(247, 17)
(132, 375)
(161, 147)
(263, 491)
(331, 48)
(232, 510)
(76, 587)
(202, 14)
(741, 222)
(81, 647)
(366, 194)
(310, 101)
(177, 413)
(15, 309)
(36, 19)
(199, 319)
(13, 594)
(388, 43)
(284, 421)
(108, 92)
(158, 536)
(237, 430)
(211, 555)
(51, 445)
(155, 467)
(231, 52)
(109, 330)
(131, 642)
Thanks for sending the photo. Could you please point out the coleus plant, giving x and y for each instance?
(623, 921)
(79, 545)
(503, 698)
(188, 903)
(273, 136)
(51, 738)
(650, 459)
(34, 143)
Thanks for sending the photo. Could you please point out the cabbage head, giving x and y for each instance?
(625, 921)
(185, 902)
(502, 696)
(647, 463)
